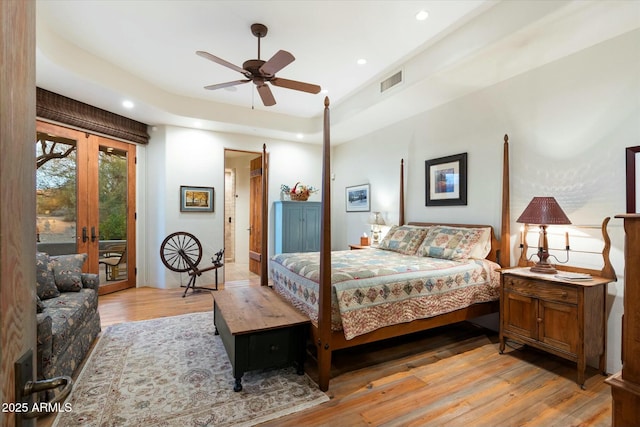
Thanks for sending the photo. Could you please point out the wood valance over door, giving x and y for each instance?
(60, 109)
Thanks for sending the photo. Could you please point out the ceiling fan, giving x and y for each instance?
(260, 72)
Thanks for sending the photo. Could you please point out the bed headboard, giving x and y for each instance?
(494, 254)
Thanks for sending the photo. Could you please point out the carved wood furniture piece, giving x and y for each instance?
(561, 316)
(625, 385)
(259, 330)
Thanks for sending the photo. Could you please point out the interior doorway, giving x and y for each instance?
(239, 223)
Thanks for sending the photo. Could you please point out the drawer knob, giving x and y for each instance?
(539, 319)
(274, 348)
(564, 294)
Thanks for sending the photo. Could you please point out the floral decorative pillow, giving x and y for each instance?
(39, 305)
(45, 282)
(456, 243)
(404, 239)
(67, 271)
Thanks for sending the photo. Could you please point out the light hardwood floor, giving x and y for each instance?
(451, 376)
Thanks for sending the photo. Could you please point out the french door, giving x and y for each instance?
(85, 201)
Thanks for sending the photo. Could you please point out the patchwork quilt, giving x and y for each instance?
(373, 288)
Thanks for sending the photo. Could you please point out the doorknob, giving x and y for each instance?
(37, 386)
(25, 386)
(93, 234)
(84, 235)
(249, 229)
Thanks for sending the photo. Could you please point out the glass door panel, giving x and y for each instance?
(56, 189)
(112, 212)
(115, 163)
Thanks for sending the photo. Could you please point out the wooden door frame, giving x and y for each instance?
(17, 191)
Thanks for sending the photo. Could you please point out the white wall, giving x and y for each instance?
(568, 122)
(180, 156)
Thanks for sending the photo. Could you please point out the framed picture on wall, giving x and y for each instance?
(446, 180)
(196, 199)
(358, 199)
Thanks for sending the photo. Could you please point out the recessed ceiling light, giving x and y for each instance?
(324, 91)
(127, 104)
(422, 15)
(361, 61)
(299, 136)
(197, 124)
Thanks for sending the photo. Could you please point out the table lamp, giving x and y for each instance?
(376, 221)
(543, 211)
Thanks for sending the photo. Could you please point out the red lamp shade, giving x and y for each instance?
(544, 211)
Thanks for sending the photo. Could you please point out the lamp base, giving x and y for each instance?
(543, 268)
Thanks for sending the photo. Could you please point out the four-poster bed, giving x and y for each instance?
(405, 277)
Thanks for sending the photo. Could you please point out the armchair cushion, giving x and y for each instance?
(67, 272)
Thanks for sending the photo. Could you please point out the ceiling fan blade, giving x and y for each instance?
(281, 59)
(221, 61)
(227, 84)
(295, 85)
(265, 93)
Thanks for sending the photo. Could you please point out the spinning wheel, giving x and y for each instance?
(182, 252)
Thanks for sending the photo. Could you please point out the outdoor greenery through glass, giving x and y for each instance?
(56, 188)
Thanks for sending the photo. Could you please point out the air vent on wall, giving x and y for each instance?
(391, 81)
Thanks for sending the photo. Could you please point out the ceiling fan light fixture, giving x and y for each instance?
(261, 72)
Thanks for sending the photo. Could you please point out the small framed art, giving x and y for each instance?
(357, 198)
(196, 199)
(446, 180)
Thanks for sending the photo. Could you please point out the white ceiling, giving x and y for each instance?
(102, 52)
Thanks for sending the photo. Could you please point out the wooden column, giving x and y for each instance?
(324, 309)
(625, 385)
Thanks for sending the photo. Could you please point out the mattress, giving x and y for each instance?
(373, 288)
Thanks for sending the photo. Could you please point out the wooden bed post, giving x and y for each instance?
(324, 310)
(264, 240)
(505, 230)
(401, 213)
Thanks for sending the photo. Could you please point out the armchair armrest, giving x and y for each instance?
(44, 348)
(90, 281)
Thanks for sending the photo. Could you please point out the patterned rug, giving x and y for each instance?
(175, 372)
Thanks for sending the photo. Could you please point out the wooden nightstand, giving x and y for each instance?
(563, 317)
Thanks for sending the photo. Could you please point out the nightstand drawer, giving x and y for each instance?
(541, 290)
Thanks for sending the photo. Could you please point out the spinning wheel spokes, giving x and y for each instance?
(181, 251)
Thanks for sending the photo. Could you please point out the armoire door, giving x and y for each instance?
(85, 201)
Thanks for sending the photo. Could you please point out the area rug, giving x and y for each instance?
(174, 371)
